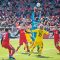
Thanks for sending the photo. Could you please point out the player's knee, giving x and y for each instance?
(56, 45)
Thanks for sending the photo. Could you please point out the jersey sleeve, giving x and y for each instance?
(46, 32)
(28, 31)
(17, 33)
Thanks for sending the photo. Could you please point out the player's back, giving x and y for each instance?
(5, 37)
(22, 33)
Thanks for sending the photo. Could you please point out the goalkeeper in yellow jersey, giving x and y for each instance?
(39, 39)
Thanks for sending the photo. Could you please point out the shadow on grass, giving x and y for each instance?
(39, 56)
(8, 59)
(35, 52)
(25, 53)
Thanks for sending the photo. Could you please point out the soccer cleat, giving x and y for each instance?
(11, 58)
(39, 55)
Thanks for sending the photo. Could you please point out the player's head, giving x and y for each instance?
(22, 25)
(41, 26)
(35, 9)
(28, 25)
(6, 29)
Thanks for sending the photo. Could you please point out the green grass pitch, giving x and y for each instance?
(49, 52)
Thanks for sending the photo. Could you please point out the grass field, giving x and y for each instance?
(49, 52)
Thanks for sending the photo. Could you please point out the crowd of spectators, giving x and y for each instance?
(12, 11)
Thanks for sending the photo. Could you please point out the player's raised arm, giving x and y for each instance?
(46, 32)
(27, 31)
(17, 33)
(10, 35)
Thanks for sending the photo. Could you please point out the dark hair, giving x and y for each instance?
(6, 29)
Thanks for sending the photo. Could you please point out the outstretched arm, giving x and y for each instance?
(17, 33)
(52, 33)
(27, 31)
(9, 35)
(1, 40)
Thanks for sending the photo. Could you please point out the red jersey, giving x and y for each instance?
(22, 34)
(56, 34)
(5, 37)
(22, 37)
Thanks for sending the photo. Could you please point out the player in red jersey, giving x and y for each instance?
(56, 38)
(6, 44)
(22, 38)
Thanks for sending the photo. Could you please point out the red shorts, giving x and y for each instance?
(22, 41)
(56, 40)
(7, 46)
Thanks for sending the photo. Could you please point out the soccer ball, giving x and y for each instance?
(38, 4)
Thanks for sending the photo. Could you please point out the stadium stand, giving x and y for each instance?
(15, 11)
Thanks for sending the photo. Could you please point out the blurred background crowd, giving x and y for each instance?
(12, 12)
